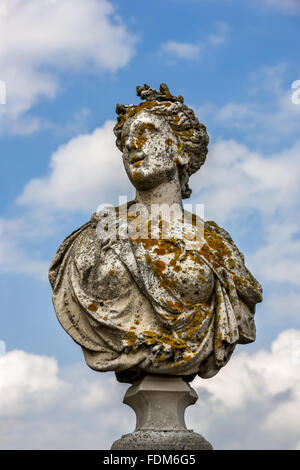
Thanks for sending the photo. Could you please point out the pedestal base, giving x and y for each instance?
(162, 440)
(159, 403)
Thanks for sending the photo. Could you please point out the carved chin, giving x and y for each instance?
(146, 180)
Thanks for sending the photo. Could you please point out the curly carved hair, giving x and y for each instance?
(191, 134)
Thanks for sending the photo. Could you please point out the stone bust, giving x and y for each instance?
(138, 305)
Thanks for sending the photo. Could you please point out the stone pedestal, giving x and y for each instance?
(159, 403)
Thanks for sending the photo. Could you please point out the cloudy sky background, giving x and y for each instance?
(66, 63)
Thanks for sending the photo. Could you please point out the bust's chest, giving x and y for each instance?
(183, 271)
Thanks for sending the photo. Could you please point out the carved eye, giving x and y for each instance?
(146, 127)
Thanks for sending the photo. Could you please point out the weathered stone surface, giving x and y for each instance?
(162, 440)
(141, 304)
(159, 403)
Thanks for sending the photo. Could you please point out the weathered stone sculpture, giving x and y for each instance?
(139, 302)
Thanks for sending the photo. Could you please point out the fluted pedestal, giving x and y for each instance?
(159, 403)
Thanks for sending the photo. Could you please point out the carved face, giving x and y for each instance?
(149, 150)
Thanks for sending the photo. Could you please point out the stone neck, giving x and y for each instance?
(166, 193)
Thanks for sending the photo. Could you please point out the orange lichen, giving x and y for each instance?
(137, 109)
(184, 134)
(93, 307)
(157, 265)
(177, 342)
(160, 251)
(184, 323)
(179, 307)
(130, 337)
(176, 120)
(139, 142)
(135, 174)
(177, 268)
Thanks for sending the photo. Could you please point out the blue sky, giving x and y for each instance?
(65, 64)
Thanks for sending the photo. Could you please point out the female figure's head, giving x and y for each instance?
(159, 137)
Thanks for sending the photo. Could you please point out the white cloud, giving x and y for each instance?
(263, 374)
(277, 258)
(239, 115)
(84, 173)
(181, 50)
(43, 37)
(13, 259)
(28, 230)
(236, 183)
(283, 119)
(268, 117)
(42, 407)
(28, 383)
(189, 51)
(219, 36)
(264, 184)
(255, 397)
